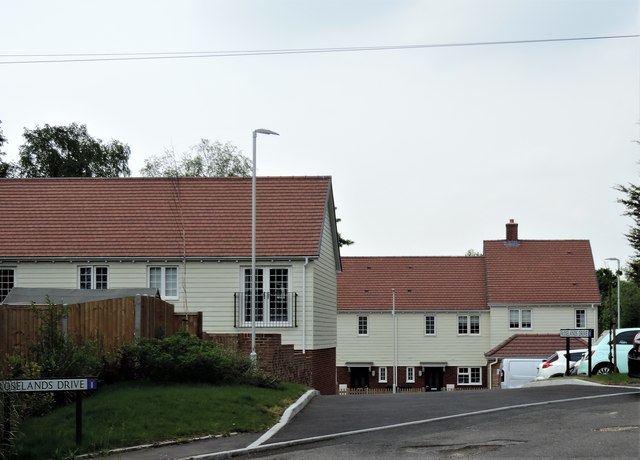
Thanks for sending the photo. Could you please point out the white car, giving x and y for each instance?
(556, 364)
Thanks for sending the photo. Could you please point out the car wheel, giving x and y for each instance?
(603, 368)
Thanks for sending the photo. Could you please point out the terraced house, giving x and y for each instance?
(191, 239)
(432, 319)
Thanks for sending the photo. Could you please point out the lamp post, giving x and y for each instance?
(615, 348)
(253, 355)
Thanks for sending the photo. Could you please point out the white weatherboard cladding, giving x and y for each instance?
(210, 286)
(324, 295)
(545, 319)
(414, 346)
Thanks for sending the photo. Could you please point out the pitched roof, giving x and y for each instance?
(42, 296)
(433, 283)
(540, 271)
(148, 217)
(532, 346)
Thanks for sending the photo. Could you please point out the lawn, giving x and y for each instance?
(128, 414)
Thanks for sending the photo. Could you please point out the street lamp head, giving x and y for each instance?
(613, 258)
(264, 131)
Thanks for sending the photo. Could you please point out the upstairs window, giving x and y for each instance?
(468, 325)
(93, 277)
(363, 325)
(520, 318)
(165, 279)
(429, 325)
(274, 302)
(7, 281)
(581, 318)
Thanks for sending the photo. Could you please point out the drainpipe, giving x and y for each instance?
(304, 305)
(491, 373)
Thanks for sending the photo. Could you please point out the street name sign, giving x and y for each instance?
(580, 333)
(17, 386)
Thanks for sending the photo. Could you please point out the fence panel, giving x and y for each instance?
(111, 321)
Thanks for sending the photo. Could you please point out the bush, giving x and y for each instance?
(186, 358)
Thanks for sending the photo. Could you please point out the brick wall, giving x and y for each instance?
(315, 368)
(343, 376)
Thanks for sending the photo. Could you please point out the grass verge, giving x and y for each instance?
(611, 379)
(133, 413)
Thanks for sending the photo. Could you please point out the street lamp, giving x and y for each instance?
(253, 355)
(615, 348)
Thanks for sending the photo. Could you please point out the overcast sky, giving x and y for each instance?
(431, 149)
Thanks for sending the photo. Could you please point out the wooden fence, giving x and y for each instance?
(113, 322)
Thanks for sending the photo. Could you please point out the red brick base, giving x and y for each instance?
(314, 368)
(450, 376)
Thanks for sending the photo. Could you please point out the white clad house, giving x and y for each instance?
(191, 239)
(450, 312)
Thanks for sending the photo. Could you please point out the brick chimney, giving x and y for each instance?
(512, 231)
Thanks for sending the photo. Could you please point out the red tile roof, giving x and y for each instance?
(542, 272)
(533, 346)
(145, 217)
(434, 283)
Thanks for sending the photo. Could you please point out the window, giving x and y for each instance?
(382, 375)
(411, 374)
(581, 318)
(92, 277)
(469, 376)
(429, 325)
(468, 325)
(272, 302)
(165, 279)
(519, 318)
(7, 281)
(363, 325)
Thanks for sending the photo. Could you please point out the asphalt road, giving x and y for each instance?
(542, 422)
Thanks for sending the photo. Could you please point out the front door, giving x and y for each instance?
(359, 377)
(433, 378)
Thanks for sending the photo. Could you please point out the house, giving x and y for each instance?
(190, 238)
(432, 319)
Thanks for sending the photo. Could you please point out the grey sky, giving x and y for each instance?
(431, 150)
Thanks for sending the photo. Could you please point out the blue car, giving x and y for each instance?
(600, 362)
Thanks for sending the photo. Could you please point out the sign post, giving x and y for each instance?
(578, 333)
(45, 385)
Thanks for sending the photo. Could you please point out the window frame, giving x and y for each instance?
(520, 320)
(426, 325)
(6, 287)
(163, 280)
(93, 277)
(362, 325)
(271, 309)
(470, 372)
(584, 318)
(382, 374)
(471, 327)
(410, 378)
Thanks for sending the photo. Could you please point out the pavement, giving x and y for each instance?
(331, 417)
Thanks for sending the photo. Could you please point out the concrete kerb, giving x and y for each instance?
(291, 411)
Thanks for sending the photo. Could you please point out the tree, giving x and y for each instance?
(69, 151)
(4, 167)
(632, 203)
(205, 159)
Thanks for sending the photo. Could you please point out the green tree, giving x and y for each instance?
(69, 151)
(205, 159)
(632, 205)
(607, 282)
(4, 167)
